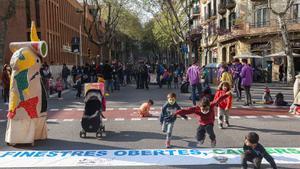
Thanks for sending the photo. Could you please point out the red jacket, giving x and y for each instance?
(227, 103)
(203, 119)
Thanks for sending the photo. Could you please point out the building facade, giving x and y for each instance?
(57, 21)
(235, 27)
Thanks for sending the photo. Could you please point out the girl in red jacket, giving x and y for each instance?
(225, 105)
(205, 114)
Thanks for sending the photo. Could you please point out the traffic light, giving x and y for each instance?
(89, 52)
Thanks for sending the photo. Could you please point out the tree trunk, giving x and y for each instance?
(2, 42)
(288, 50)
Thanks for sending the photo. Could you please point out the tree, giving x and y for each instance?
(9, 13)
(172, 19)
(107, 11)
(285, 36)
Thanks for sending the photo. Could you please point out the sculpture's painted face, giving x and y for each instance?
(24, 59)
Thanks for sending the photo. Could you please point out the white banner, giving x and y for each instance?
(143, 157)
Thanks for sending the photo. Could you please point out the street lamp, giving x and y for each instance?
(79, 11)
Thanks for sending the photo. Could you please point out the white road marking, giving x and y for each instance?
(104, 119)
(51, 120)
(68, 120)
(2, 120)
(54, 110)
(119, 119)
(109, 109)
(235, 117)
(283, 116)
(251, 117)
(67, 109)
(80, 109)
(122, 109)
(267, 117)
(135, 108)
(151, 118)
(136, 119)
(152, 108)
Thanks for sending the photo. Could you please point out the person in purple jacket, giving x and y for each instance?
(236, 70)
(246, 76)
(193, 76)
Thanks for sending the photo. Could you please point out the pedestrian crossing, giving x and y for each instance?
(287, 117)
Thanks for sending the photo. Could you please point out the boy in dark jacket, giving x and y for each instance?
(205, 114)
(167, 118)
(255, 152)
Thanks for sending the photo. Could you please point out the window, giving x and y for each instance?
(262, 17)
(37, 12)
(232, 18)
(296, 12)
(28, 15)
(205, 13)
(215, 8)
(223, 24)
(209, 10)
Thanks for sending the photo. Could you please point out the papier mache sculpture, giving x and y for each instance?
(27, 114)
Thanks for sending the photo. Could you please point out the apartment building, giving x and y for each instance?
(57, 21)
(235, 27)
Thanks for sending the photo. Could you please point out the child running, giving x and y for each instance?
(225, 105)
(206, 116)
(167, 118)
(144, 110)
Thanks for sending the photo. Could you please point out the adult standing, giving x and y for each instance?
(107, 73)
(247, 79)
(193, 76)
(6, 82)
(46, 75)
(159, 72)
(236, 70)
(74, 73)
(64, 74)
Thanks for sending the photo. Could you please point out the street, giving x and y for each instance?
(125, 131)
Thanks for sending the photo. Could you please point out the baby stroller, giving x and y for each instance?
(91, 121)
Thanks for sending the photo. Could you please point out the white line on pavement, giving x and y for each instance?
(136, 119)
(122, 109)
(297, 116)
(135, 108)
(235, 117)
(104, 119)
(51, 120)
(234, 107)
(68, 119)
(152, 108)
(2, 120)
(251, 117)
(80, 109)
(283, 116)
(67, 109)
(267, 117)
(109, 109)
(119, 119)
(54, 109)
(152, 118)
(189, 118)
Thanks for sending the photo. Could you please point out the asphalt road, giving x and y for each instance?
(146, 133)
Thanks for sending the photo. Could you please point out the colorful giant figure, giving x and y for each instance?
(27, 100)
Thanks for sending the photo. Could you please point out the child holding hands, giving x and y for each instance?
(205, 114)
(167, 118)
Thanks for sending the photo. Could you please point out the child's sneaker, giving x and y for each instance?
(168, 144)
(213, 143)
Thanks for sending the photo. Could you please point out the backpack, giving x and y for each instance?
(279, 100)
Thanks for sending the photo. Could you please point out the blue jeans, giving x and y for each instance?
(199, 88)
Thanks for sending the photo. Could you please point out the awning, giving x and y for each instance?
(281, 54)
(247, 56)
